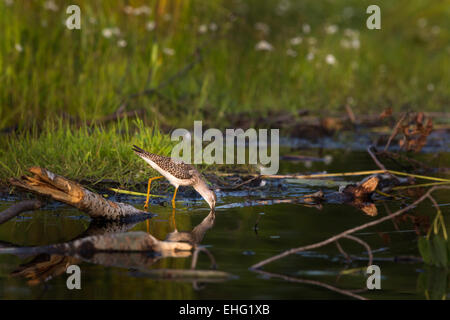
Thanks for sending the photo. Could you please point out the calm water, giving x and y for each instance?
(234, 245)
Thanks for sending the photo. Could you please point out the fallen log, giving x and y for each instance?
(46, 183)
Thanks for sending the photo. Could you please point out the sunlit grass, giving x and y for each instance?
(89, 153)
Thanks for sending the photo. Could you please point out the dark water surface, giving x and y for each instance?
(235, 246)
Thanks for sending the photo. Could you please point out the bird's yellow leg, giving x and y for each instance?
(173, 199)
(148, 190)
(174, 223)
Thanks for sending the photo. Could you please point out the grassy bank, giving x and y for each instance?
(317, 55)
(177, 61)
(89, 153)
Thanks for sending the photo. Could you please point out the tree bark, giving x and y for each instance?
(46, 183)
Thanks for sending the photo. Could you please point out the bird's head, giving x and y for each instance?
(207, 194)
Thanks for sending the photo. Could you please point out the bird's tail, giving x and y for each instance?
(139, 151)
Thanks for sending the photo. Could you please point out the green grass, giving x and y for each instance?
(85, 75)
(88, 153)
(48, 72)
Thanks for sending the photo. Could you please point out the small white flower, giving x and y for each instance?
(212, 26)
(306, 28)
(122, 43)
(145, 10)
(50, 5)
(291, 53)
(150, 26)
(18, 47)
(107, 33)
(330, 59)
(128, 9)
(283, 6)
(296, 41)
(331, 29)
(435, 30)
(310, 56)
(263, 27)
(263, 46)
(355, 43)
(351, 33)
(422, 22)
(203, 29)
(430, 87)
(169, 51)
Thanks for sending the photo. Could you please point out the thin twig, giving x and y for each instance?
(342, 251)
(388, 211)
(364, 244)
(375, 159)
(395, 131)
(244, 183)
(347, 232)
(312, 282)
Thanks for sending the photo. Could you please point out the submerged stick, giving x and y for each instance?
(418, 176)
(375, 159)
(347, 232)
(340, 174)
(18, 208)
(62, 189)
(134, 193)
(307, 176)
(184, 274)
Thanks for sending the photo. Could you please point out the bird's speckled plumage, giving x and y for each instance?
(176, 168)
(178, 173)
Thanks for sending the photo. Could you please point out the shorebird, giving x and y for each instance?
(178, 173)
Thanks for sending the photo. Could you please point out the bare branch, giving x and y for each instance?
(347, 232)
(395, 131)
(312, 282)
(364, 244)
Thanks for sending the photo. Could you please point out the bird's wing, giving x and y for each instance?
(175, 167)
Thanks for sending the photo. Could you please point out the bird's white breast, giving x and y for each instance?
(172, 179)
